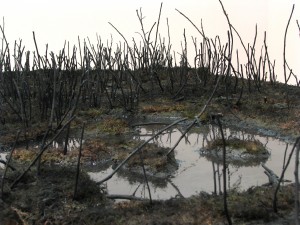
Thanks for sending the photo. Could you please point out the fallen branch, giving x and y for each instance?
(282, 174)
(273, 178)
(40, 153)
(138, 149)
(5, 163)
(176, 188)
(8, 161)
(182, 135)
(78, 164)
(196, 120)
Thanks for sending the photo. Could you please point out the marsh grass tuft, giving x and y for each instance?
(91, 112)
(154, 157)
(251, 146)
(163, 108)
(113, 126)
(24, 155)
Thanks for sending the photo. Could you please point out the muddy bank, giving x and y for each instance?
(48, 198)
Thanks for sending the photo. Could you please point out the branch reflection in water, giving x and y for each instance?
(195, 172)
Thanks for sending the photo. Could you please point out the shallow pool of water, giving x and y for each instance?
(195, 173)
(73, 143)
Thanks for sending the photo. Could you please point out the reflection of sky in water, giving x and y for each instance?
(195, 173)
(73, 143)
(120, 185)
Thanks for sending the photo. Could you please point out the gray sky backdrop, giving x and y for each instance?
(55, 21)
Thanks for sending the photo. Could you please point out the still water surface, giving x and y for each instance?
(195, 172)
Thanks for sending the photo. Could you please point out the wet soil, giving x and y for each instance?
(48, 198)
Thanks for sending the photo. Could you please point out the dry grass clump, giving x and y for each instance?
(92, 150)
(153, 156)
(95, 146)
(91, 112)
(24, 155)
(251, 146)
(52, 155)
(163, 108)
(113, 126)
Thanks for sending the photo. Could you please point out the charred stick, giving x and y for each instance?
(282, 174)
(7, 163)
(41, 152)
(138, 149)
(78, 164)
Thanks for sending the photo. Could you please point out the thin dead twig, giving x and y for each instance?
(224, 173)
(282, 175)
(8, 161)
(78, 163)
(196, 120)
(201, 33)
(284, 46)
(41, 152)
(145, 176)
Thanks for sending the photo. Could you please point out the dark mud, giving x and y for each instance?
(48, 198)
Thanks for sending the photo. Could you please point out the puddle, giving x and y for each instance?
(195, 172)
(73, 144)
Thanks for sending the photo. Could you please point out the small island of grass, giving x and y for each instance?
(238, 152)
